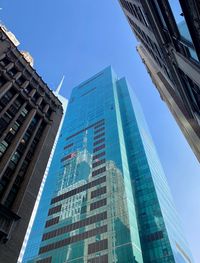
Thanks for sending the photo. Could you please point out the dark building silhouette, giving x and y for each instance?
(169, 36)
(30, 115)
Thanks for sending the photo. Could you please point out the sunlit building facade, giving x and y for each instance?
(107, 199)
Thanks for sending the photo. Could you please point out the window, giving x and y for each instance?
(69, 156)
(192, 90)
(95, 164)
(99, 135)
(98, 204)
(54, 210)
(15, 106)
(79, 189)
(76, 225)
(68, 146)
(3, 184)
(9, 137)
(154, 236)
(20, 81)
(99, 141)
(5, 61)
(98, 155)
(35, 97)
(28, 89)
(12, 72)
(99, 125)
(52, 221)
(99, 171)
(24, 112)
(73, 239)
(2, 81)
(15, 158)
(99, 148)
(7, 97)
(142, 15)
(98, 246)
(3, 147)
(83, 130)
(99, 259)
(49, 112)
(99, 130)
(4, 121)
(98, 192)
(86, 93)
(44, 260)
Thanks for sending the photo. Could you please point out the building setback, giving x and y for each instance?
(168, 32)
(108, 198)
(30, 115)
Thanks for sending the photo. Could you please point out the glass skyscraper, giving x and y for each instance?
(106, 198)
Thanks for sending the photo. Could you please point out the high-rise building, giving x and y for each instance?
(168, 32)
(106, 198)
(30, 115)
(43, 192)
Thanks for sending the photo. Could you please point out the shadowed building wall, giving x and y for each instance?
(168, 32)
(30, 115)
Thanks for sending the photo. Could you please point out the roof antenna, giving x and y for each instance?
(59, 86)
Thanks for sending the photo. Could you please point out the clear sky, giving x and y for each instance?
(78, 38)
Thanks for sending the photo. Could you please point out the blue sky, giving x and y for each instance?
(78, 38)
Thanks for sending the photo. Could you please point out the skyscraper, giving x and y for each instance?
(43, 198)
(108, 199)
(168, 35)
(30, 115)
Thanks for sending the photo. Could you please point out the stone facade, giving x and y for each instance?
(30, 115)
(169, 47)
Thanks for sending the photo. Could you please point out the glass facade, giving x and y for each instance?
(183, 29)
(106, 198)
(160, 232)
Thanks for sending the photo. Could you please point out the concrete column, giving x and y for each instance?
(18, 75)
(5, 88)
(39, 101)
(53, 116)
(12, 148)
(12, 122)
(25, 84)
(9, 66)
(43, 143)
(46, 108)
(8, 105)
(14, 176)
(31, 94)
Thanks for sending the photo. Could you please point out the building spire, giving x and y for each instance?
(60, 85)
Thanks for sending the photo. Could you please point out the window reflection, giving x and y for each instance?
(184, 32)
(182, 27)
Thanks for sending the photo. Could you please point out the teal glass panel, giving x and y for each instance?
(109, 197)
